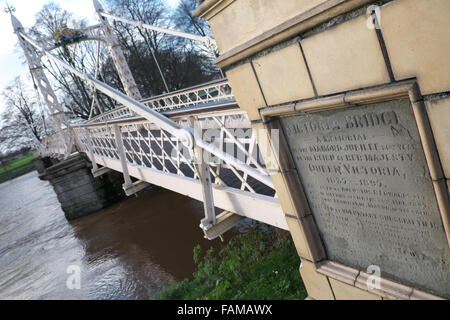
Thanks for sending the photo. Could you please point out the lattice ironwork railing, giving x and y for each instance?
(208, 93)
(55, 145)
(148, 146)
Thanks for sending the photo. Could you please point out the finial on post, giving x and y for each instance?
(15, 23)
(97, 6)
(9, 8)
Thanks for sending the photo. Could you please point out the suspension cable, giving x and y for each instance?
(139, 24)
(39, 102)
(94, 90)
(154, 58)
(209, 42)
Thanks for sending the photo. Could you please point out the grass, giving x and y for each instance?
(252, 266)
(16, 168)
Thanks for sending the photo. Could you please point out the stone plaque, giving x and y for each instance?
(368, 185)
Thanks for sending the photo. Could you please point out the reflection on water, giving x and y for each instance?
(125, 252)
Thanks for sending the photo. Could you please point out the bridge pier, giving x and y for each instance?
(78, 191)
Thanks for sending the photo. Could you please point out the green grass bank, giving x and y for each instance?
(16, 168)
(255, 265)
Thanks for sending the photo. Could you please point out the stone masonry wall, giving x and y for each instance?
(280, 53)
(78, 191)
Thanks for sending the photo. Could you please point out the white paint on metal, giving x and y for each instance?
(251, 205)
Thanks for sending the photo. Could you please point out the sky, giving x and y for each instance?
(10, 63)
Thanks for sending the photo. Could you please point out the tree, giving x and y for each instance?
(182, 62)
(21, 121)
(75, 95)
(184, 20)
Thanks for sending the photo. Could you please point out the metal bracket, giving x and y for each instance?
(135, 187)
(224, 222)
(100, 171)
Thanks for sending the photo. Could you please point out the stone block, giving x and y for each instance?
(345, 57)
(85, 181)
(290, 193)
(263, 138)
(246, 90)
(280, 147)
(284, 196)
(236, 22)
(298, 236)
(344, 291)
(317, 285)
(388, 288)
(305, 237)
(338, 271)
(420, 295)
(439, 115)
(78, 191)
(417, 39)
(283, 76)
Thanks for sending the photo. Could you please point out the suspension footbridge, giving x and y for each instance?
(195, 141)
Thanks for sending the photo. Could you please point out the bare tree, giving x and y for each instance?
(22, 121)
(182, 62)
(75, 94)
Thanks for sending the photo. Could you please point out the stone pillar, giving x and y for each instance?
(344, 82)
(41, 163)
(78, 191)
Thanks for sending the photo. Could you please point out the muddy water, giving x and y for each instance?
(124, 252)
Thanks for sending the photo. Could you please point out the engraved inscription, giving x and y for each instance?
(368, 185)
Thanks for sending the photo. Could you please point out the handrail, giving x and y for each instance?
(176, 114)
(198, 86)
(165, 95)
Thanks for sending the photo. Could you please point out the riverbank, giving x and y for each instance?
(255, 265)
(16, 168)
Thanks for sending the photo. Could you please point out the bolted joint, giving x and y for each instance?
(186, 137)
(205, 224)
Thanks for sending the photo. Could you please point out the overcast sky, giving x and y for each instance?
(10, 65)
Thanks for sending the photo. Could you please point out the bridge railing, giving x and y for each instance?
(175, 154)
(206, 93)
(148, 146)
(140, 149)
(55, 145)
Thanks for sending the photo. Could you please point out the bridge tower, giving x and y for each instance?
(128, 82)
(33, 58)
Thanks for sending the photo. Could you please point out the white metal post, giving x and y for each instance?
(43, 84)
(90, 145)
(129, 84)
(122, 156)
(205, 178)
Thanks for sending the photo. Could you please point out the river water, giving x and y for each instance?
(124, 252)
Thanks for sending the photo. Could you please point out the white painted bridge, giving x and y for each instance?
(195, 141)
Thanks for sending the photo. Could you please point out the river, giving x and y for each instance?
(126, 251)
